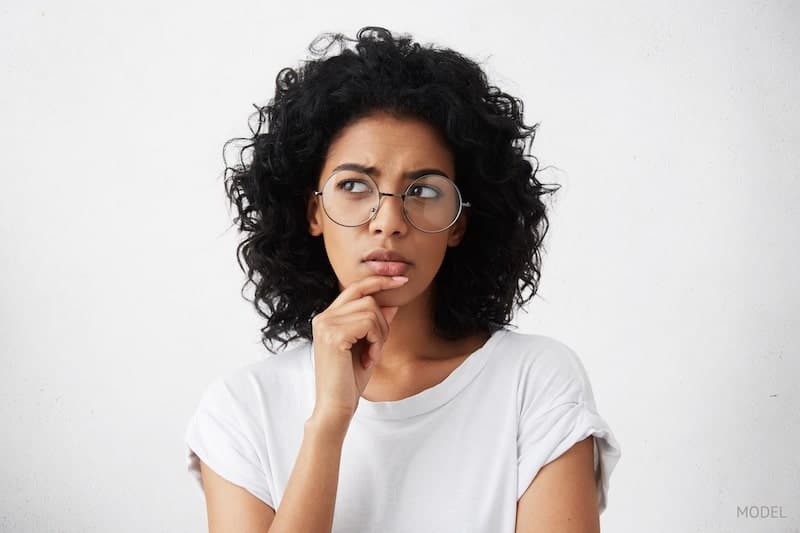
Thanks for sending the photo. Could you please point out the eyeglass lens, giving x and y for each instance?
(431, 204)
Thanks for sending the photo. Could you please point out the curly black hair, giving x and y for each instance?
(499, 257)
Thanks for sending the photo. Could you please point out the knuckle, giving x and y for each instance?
(331, 338)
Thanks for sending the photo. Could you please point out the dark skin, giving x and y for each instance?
(562, 495)
(413, 357)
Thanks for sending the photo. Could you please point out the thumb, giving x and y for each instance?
(389, 313)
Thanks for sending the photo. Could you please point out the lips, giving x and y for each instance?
(386, 262)
(388, 268)
(382, 254)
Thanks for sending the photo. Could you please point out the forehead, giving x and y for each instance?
(392, 145)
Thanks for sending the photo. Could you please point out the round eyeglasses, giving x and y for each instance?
(432, 203)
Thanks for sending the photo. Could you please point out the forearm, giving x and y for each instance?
(310, 495)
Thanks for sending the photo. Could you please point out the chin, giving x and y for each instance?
(384, 299)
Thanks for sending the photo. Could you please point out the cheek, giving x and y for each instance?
(334, 248)
(434, 252)
(341, 255)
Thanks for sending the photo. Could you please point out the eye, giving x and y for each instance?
(417, 191)
(352, 186)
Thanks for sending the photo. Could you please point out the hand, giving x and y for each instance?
(348, 340)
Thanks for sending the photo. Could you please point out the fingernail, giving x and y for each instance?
(399, 278)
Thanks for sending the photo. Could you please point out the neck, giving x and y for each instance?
(411, 340)
(412, 344)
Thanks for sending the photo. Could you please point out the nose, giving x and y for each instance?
(389, 217)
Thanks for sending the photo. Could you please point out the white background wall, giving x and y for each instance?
(672, 263)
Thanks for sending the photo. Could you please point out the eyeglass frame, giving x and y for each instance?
(402, 197)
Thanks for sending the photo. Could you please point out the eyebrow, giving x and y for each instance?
(372, 171)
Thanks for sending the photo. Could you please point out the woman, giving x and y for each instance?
(393, 219)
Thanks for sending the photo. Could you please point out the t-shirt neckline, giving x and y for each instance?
(432, 397)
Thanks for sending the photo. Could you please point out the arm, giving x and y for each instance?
(562, 497)
(308, 502)
(231, 508)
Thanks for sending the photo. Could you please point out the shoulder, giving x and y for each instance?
(278, 375)
(542, 353)
(274, 368)
(549, 370)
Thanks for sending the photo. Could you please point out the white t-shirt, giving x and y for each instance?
(455, 457)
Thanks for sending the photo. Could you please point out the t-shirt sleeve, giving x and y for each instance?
(558, 411)
(223, 435)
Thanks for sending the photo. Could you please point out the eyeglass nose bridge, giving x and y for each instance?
(374, 210)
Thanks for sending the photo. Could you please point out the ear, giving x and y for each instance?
(458, 229)
(314, 215)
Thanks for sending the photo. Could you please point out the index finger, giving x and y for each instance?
(368, 285)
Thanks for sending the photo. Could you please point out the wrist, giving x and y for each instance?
(333, 424)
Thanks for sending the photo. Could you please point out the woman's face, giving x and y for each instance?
(394, 147)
